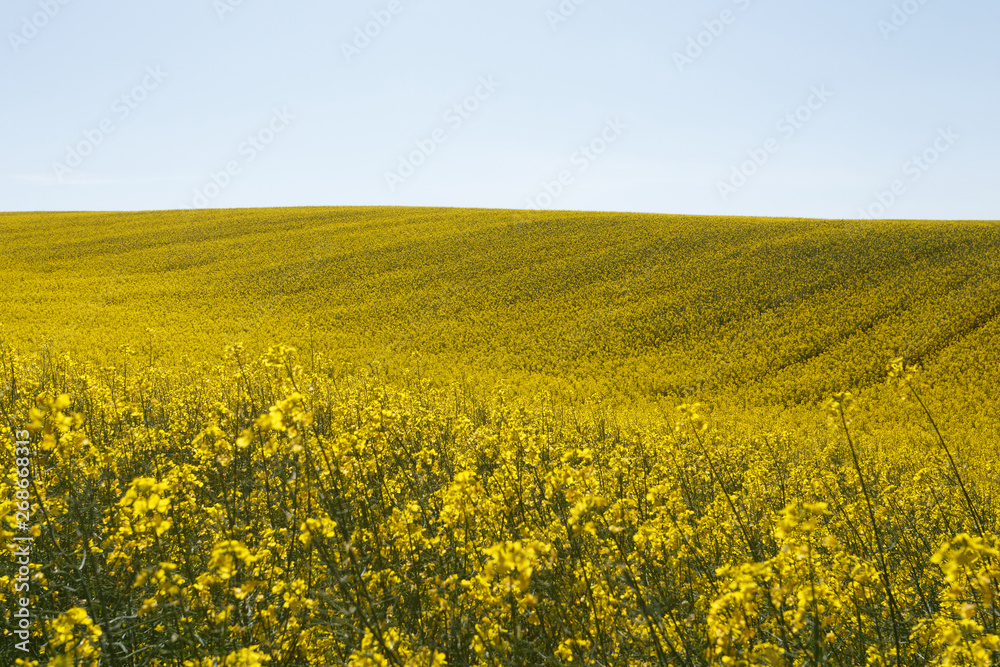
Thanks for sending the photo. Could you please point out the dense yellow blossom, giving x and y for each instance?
(472, 438)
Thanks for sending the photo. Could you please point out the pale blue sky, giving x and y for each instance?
(337, 123)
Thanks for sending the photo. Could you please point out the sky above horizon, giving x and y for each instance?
(860, 108)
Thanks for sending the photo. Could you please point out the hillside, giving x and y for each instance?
(628, 306)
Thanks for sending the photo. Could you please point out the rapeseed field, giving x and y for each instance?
(386, 436)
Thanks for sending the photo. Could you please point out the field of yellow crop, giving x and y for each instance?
(486, 437)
